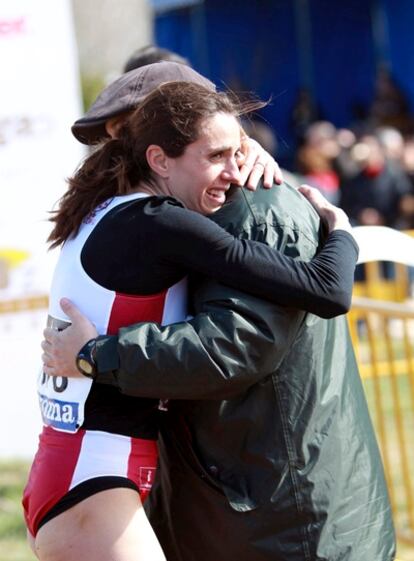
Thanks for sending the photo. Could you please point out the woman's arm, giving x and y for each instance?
(322, 286)
(147, 245)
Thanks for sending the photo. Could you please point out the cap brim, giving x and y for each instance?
(91, 130)
(90, 133)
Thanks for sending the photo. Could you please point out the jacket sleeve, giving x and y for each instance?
(234, 341)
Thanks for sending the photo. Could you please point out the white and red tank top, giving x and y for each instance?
(62, 400)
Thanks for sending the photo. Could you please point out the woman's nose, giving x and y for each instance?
(231, 172)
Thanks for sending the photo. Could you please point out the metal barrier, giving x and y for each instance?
(24, 304)
(383, 338)
(377, 286)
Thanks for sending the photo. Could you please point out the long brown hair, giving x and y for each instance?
(168, 117)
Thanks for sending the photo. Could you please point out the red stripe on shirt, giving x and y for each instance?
(128, 309)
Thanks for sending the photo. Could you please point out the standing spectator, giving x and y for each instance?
(373, 197)
(407, 205)
(315, 159)
(392, 143)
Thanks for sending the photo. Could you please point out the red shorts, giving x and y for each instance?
(81, 464)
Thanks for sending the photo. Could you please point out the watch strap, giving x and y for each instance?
(86, 359)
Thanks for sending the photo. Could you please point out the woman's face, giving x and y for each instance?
(201, 177)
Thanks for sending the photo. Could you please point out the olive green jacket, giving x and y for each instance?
(267, 451)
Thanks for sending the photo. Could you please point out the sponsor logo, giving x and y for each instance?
(146, 477)
(61, 415)
(16, 26)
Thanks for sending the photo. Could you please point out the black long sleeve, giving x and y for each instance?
(164, 241)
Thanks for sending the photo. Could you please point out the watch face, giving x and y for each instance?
(85, 366)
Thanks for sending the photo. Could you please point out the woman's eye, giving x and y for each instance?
(217, 156)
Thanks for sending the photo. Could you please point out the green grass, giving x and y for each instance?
(13, 546)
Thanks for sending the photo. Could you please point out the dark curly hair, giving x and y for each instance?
(168, 117)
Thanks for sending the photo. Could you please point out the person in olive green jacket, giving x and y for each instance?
(267, 451)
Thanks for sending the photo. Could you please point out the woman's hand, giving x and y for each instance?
(335, 217)
(60, 348)
(254, 163)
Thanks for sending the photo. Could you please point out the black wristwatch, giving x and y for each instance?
(86, 359)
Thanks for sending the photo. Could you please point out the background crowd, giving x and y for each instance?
(366, 168)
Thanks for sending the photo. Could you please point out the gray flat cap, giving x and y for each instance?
(126, 92)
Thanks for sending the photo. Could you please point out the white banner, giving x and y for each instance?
(39, 100)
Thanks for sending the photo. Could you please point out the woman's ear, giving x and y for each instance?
(158, 160)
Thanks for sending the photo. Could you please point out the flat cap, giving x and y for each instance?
(126, 92)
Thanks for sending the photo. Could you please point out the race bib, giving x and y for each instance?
(62, 400)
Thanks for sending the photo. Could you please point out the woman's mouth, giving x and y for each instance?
(217, 195)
